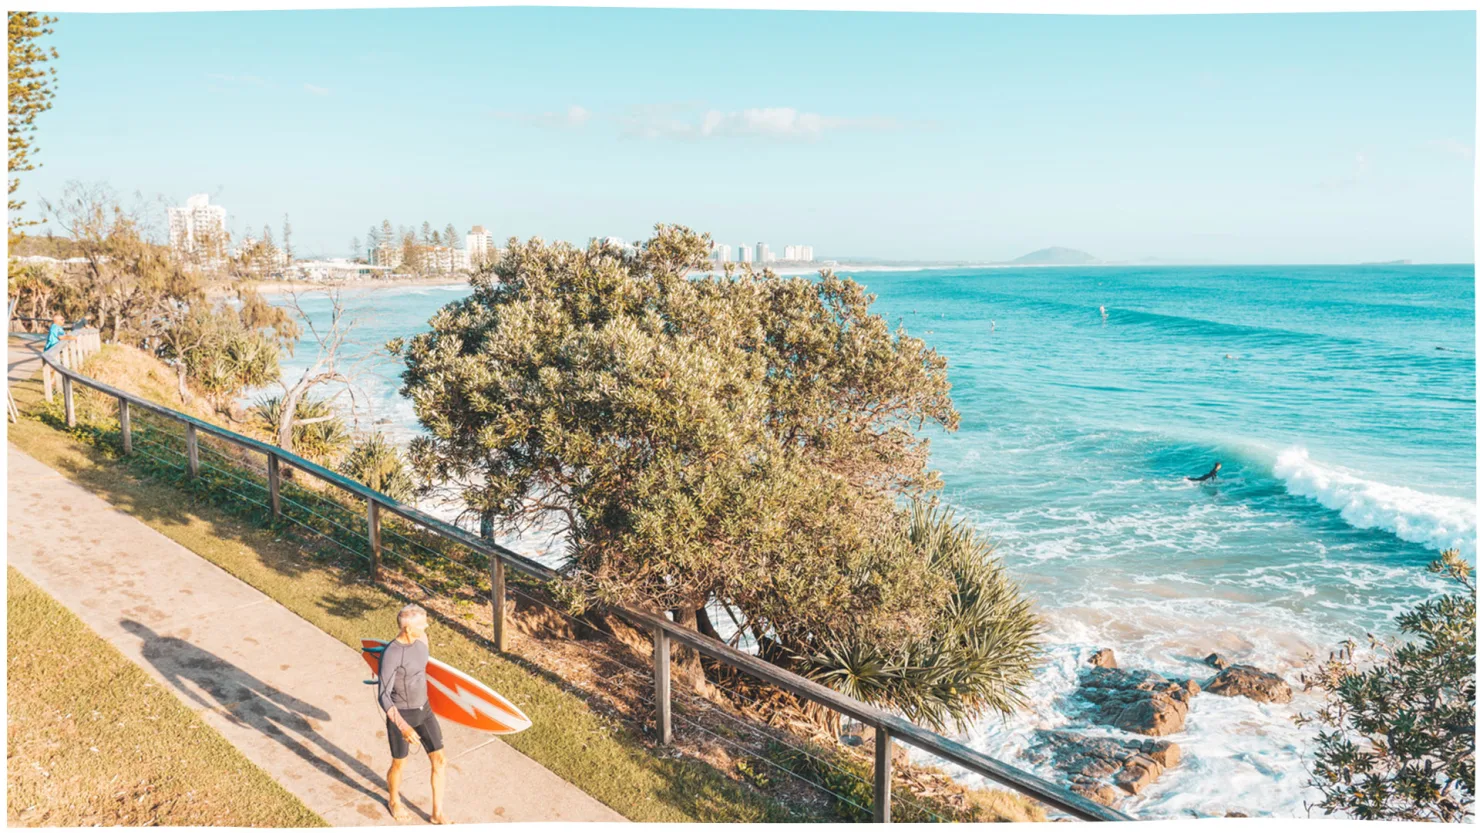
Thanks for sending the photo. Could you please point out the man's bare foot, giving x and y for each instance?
(441, 819)
(398, 810)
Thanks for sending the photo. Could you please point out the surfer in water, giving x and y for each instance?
(1211, 475)
(408, 714)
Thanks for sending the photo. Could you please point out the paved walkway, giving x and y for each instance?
(285, 693)
(23, 357)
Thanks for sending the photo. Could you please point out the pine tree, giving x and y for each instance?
(32, 88)
(450, 235)
(355, 252)
(426, 233)
(287, 239)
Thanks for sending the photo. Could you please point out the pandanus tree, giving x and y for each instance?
(744, 438)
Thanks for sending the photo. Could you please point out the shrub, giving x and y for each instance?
(319, 433)
(1399, 729)
(378, 464)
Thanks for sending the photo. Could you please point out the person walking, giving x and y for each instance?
(408, 714)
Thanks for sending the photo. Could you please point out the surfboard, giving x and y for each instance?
(459, 698)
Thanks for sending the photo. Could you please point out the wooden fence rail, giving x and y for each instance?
(65, 359)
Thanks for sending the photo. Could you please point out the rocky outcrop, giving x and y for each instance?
(1103, 658)
(1137, 701)
(1104, 769)
(1218, 661)
(1248, 681)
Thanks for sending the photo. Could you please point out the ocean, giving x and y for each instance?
(1339, 399)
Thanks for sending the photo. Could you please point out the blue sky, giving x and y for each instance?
(1239, 138)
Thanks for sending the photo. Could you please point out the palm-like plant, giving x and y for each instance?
(977, 654)
(319, 433)
(378, 464)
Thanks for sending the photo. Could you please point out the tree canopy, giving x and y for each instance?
(741, 439)
(32, 88)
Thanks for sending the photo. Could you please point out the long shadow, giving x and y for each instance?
(248, 701)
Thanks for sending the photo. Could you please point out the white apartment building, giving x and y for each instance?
(804, 254)
(338, 269)
(388, 255)
(720, 253)
(479, 247)
(763, 253)
(745, 254)
(198, 228)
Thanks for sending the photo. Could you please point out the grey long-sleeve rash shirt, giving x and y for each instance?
(403, 675)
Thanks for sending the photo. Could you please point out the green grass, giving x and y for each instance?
(602, 756)
(92, 739)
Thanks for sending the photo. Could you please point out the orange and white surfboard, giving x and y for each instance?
(459, 698)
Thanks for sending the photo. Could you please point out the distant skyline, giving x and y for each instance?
(969, 137)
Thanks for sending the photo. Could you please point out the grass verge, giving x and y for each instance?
(93, 740)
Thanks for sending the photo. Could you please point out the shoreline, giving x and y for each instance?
(275, 288)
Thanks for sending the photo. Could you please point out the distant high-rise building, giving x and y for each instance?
(720, 253)
(480, 248)
(789, 253)
(745, 254)
(198, 228)
(804, 254)
(763, 253)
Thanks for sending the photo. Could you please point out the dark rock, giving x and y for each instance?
(1248, 681)
(1218, 661)
(1136, 701)
(1234, 814)
(1094, 764)
(1103, 658)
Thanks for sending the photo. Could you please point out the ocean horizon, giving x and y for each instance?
(1340, 400)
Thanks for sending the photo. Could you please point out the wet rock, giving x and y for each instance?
(1248, 681)
(1104, 769)
(1103, 658)
(1137, 701)
(1218, 661)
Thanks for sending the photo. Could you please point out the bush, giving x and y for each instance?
(319, 433)
(1398, 740)
(378, 464)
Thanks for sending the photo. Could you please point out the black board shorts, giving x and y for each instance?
(427, 728)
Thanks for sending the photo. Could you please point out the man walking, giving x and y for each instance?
(408, 714)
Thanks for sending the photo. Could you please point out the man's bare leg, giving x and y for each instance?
(439, 780)
(393, 785)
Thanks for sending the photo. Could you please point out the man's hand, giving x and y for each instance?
(406, 731)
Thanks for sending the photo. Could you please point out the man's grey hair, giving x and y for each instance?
(410, 613)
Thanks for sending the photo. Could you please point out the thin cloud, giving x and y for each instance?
(573, 117)
(1451, 147)
(315, 89)
(787, 123)
(1360, 166)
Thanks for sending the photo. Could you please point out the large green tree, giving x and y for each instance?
(744, 439)
(32, 88)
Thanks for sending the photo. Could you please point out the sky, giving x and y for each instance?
(1303, 138)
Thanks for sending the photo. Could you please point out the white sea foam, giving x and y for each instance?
(1436, 521)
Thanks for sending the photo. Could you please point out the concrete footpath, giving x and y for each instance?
(286, 694)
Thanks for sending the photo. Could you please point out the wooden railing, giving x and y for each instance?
(65, 359)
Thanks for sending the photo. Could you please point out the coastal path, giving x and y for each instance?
(288, 695)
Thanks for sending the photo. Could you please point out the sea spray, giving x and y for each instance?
(1435, 521)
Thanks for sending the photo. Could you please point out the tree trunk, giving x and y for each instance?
(180, 378)
(706, 627)
(685, 659)
(288, 409)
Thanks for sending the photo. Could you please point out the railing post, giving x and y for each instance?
(373, 517)
(125, 426)
(69, 405)
(192, 449)
(274, 484)
(883, 770)
(661, 687)
(46, 380)
(496, 601)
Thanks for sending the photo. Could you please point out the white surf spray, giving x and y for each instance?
(1436, 521)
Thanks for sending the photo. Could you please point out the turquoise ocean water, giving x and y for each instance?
(1340, 400)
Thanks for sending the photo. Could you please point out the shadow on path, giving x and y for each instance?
(247, 701)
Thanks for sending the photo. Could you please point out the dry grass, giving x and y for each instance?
(91, 739)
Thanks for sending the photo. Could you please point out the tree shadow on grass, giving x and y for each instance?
(243, 699)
